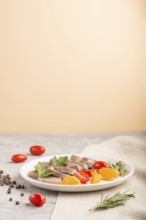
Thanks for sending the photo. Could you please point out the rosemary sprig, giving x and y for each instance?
(117, 199)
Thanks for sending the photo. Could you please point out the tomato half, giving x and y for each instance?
(18, 158)
(37, 150)
(37, 199)
(89, 172)
(100, 164)
(82, 176)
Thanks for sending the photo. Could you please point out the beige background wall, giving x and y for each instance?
(144, 71)
(72, 65)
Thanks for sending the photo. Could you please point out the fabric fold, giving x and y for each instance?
(75, 206)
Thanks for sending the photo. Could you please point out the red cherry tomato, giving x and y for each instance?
(37, 199)
(89, 172)
(18, 158)
(100, 164)
(82, 176)
(37, 150)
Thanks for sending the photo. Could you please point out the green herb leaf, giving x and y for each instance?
(58, 162)
(113, 201)
(120, 167)
(53, 161)
(62, 160)
(42, 170)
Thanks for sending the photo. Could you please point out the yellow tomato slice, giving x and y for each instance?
(70, 180)
(108, 173)
(95, 177)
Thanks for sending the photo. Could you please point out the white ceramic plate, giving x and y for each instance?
(75, 188)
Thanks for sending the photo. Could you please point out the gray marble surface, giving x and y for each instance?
(55, 144)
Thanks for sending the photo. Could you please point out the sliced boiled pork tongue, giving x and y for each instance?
(67, 170)
(75, 158)
(52, 180)
(33, 174)
(83, 165)
(75, 166)
(56, 172)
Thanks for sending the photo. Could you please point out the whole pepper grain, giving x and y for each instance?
(5, 179)
(14, 182)
(9, 192)
(19, 186)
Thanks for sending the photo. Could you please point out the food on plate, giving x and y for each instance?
(108, 173)
(100, 164)
(95, 177)
(70, 180)
(82, 176)
(18, 158)
(120, 166)
(37, 199)
(76, 170)
(37, 150)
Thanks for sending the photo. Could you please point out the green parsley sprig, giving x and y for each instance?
(120, 167)
(42, 170)
(58, 162)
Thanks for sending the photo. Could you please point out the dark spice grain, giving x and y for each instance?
(17, 202)
(6, 180)
(23, 186)
(14, 182)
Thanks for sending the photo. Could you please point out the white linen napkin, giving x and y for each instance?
(75, 206)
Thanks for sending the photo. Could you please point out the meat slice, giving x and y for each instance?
(75, 158)
(33, 174)
(89, 160)
(56, 172)
(74, 166)
(88, 164)
(52, 180)
(66, 170)
(83, 165)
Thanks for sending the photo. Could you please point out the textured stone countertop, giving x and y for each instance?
(54, 144)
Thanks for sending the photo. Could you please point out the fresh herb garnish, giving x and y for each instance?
(58, 162)
(113, 201)
(120, 167)
(42, 170)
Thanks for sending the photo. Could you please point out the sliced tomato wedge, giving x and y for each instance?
(82, 176)
(100, 164)
(89, 172)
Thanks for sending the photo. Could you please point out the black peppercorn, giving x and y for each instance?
(17, 202)
(14, 182)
